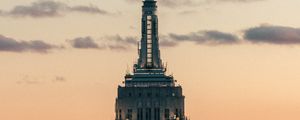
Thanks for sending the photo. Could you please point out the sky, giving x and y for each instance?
(64, 59)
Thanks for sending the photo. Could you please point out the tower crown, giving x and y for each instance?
(149, 70)
(149, 54)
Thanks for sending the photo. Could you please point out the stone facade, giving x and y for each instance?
(153, 103)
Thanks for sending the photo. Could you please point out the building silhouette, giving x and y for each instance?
(148, 93)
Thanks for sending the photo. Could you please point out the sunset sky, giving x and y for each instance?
(64, 59)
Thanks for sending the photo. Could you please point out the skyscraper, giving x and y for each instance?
(148, 93)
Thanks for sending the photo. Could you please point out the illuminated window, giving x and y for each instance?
(149, 22)
(149, 26)
(149, 17)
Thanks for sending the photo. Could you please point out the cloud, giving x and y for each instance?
(114, 42)
(273, 34)
(188, 12)
(238, 0)
(117, 47)
(59, 79)
(84, 43)
(28, 80)
(88, 9)
(12, 45)
(123, 40)
(192, 3)
(171, 3)
(261, 34)
(212, 37)
(41, 9)
(117, 42)
(165, 41)
(128, 40)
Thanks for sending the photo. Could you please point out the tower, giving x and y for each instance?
(148, 93)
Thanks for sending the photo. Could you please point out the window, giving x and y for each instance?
(140, 114)
(167, 113)
(177, 113)
(129, 114)
(149, 23)
(129, 94)
(157, 94)
(149, 26)
(149, 94)
(149, 17)
(120, 114)
(148, 113)
(156, 114)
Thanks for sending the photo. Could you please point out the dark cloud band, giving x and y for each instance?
(12, 45)
(273, 35)
(84, 43)
(42, 9)
(206, 37)
(192, 3)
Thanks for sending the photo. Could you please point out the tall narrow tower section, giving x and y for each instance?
(148, 93)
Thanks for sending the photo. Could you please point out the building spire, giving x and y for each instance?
(149, 57)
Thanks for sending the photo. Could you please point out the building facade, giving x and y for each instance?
(148, 93)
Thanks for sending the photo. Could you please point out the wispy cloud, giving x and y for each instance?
(273, 34)
(212, 37)
(113, 42)
(127, 40)
(118, 42)
(188, 12)
(193, 3)
(173, 3)
(29, 80)
(11, 45)
(84, 43)
(38, 80)
(165, 41)
(237, 0)
(59, 79)
(41, 9)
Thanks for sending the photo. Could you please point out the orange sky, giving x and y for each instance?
(240, 81)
